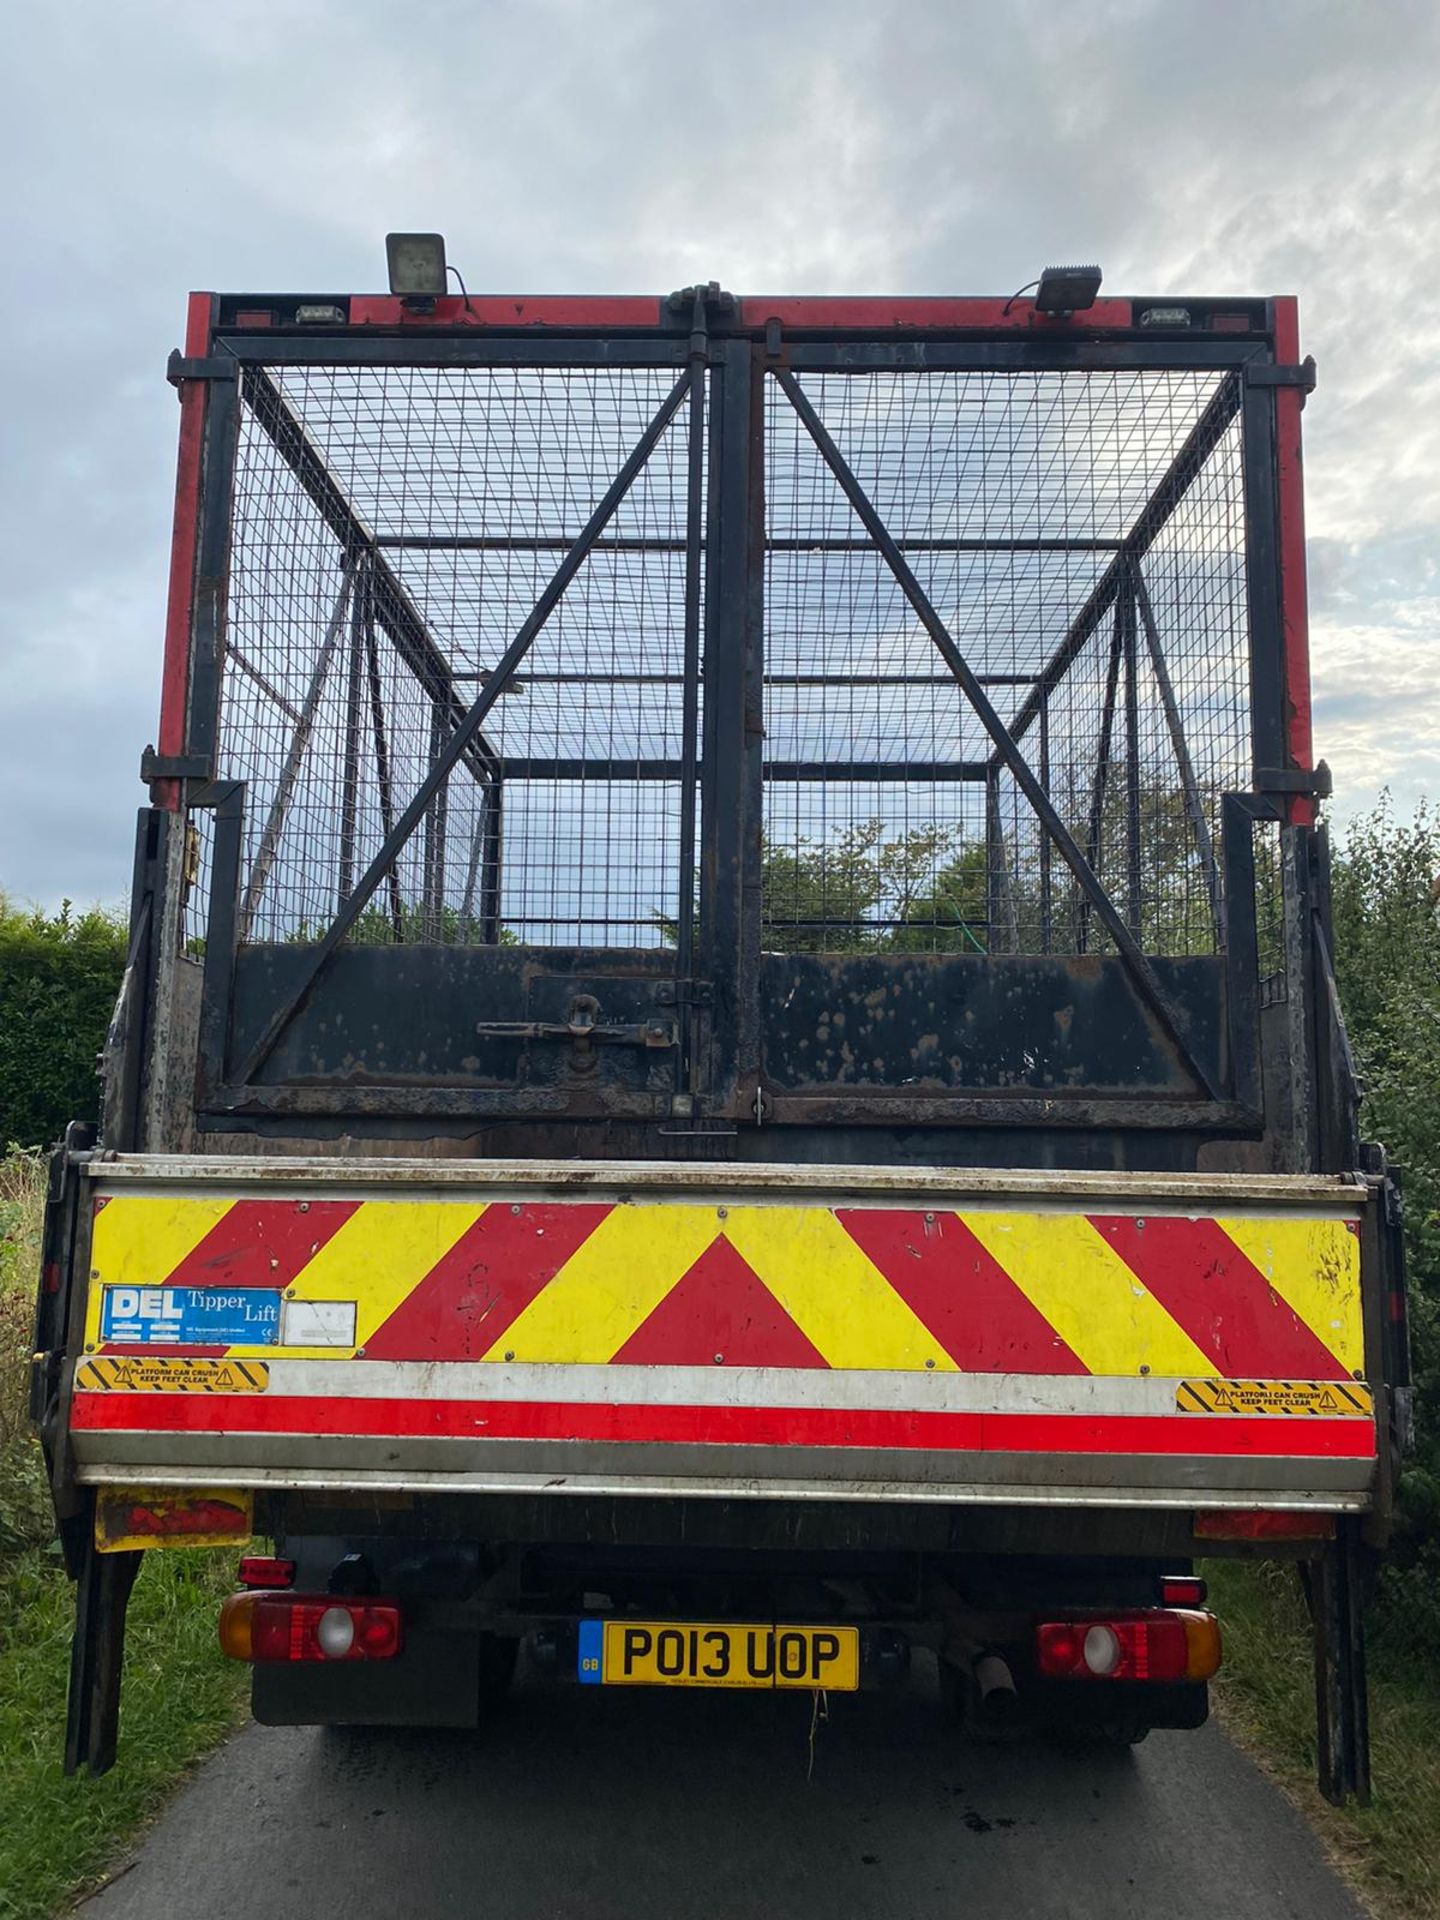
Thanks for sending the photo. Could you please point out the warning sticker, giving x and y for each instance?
(114, 1373)
(1327, 1398)
(131, 1519)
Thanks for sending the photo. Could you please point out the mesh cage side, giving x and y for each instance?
(468, 485)
(1016, 499)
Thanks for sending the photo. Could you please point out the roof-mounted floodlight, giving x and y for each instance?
(417, 265)
(1067, 289)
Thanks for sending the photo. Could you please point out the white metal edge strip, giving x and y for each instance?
(851, 1389)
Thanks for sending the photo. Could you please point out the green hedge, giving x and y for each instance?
(59, 975)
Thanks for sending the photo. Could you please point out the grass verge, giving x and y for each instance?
(58, 1836)
(1390, 1850)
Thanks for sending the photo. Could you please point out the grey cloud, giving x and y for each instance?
(936, 145)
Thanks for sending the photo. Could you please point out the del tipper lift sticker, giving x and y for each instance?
(190, 1316)
(115, 1373)
(1327, 1398)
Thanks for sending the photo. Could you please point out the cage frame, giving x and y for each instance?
(737, 347)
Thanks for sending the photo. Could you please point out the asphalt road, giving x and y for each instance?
(697, 1806)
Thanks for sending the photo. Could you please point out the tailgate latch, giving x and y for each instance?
(584, 1030)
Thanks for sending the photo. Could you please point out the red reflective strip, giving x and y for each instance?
(1294, 595)
(509, 310)
(1184, 1434)
(261, 1243)
(487, 1279)
(719, 1313)
(175, 675)
(258, 1243)
(961, 1292)
(870, 312)
(1223, 1301)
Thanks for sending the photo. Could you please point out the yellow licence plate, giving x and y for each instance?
(700, 1653)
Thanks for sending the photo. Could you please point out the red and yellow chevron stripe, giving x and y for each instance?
(984, 1290)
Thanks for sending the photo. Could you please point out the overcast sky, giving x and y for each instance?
(931, 146)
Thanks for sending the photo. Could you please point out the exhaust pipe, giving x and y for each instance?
(994, 1687)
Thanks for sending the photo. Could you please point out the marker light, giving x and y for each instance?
(309, 1627)
(261, 1570)
(1178, 1645)
(1182, 1590)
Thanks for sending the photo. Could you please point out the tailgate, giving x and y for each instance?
(831, 1332)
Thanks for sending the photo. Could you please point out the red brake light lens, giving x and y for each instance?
(1141, 1646)
(309, 1627)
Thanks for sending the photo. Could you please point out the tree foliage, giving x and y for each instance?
(59, 975)
(839, 896)
(1387, 964)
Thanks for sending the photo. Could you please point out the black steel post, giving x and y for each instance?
(731, 791)
(1262, 579)
(685, 1064)
(212, 571)
(433, 854)
(222, 934)
(350, 774)
(491, 860)
(1134, 894)
(1046, 905)
(1242, 949)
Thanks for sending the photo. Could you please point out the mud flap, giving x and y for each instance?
(1335, 1590)
(97, 1652)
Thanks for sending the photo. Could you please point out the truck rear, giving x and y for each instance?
(729, 1067)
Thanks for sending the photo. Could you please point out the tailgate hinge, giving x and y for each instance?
(218, 367)
(1265, 373)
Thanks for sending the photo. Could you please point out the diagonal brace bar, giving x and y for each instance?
(290, 772)
(1007, 752)
(465, 732)
(1199, 825)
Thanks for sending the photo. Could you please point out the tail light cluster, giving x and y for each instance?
(289, 1626)
(1153, 1645)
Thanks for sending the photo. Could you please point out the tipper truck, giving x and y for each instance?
(729, 1070)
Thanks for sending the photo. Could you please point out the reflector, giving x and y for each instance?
(1222, 1525)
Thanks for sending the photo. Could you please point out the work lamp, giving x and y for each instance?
(1067, 289)
(417, 264)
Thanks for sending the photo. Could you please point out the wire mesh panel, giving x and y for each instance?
(393, 529)
(1081, 536)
